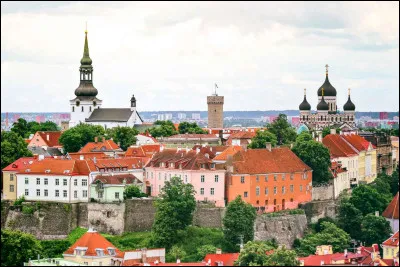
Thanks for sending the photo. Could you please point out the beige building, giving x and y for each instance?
(215, 111)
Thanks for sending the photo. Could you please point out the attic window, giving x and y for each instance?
(99, 252)
(66, 171)
(202, 165)
(111, 251)
(47, 171)
(27, 170)
(212, 165)
(171, 165)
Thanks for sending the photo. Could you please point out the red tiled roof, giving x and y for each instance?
(92, 241)
(135, 151)
(205, 150)
(392, 241)
(196, 136)
(53, 166)
(53, 138)
(278, 160)
(173, 264)
(27, 141)
(242, 135)
(315, 260)
(357, 141)
(116, 179)
(231, 150)
(226, 258)
(392, 210)
(145, 150)
(88, 155)
(20, 164)
(337, 146)
(98, 146)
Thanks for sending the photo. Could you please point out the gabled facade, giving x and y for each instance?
(109, 147)
(240, 139)
(391, 213)
(391, 247)
(45, 139)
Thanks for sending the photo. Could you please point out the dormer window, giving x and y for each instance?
(111, 251)
(202, 165)
(171, 165)
(212, 165)
(47, 171)
(99, 252)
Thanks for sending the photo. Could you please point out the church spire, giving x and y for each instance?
(86, 60)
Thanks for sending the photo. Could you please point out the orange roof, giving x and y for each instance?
(92, 240)
(27, 141)
(176, 125)
(143, 151)
(53, 166)
(231, 150)
(243, 135)
(357, 141)
(135, 151)
(226, 258)
(88, 155)
(392, 241)
(195, 136)
(278, 160)
(20, 164)
(99, 146)
(337, 146)
(53, 138)
(392, 210)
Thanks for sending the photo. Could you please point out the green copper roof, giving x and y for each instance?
(86, 60)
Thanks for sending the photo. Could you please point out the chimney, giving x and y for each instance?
(81, 157)
(197, 150)
(48, 137)
(144, 255)
(219, 251)
(161, 148)
(268, 145)
(94, 160)
(322, 263)
(345, 252)
(178, 261)
(96, 139)
(333, 131)
(119, 144)
(41, 157)
(104, 139)
(377, 213)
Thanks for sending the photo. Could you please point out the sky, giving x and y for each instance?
(170, 54)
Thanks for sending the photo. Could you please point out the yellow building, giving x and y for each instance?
(391, 247)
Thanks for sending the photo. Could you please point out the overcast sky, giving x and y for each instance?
(169, 54)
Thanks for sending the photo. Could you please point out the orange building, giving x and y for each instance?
(269, 179)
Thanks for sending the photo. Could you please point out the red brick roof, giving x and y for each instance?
(116, 179)
(53, 138)
(92, 241)
(242, 135)
(278, 160)
(231, 150)
(392, 210)
(135, 151)
(107, 145)
(357, 141)
(52, 166)
(143, 151)
(337, 146)
(20, 164)
(226, 258)
(392, 241)
(88, 155)
(193, 136)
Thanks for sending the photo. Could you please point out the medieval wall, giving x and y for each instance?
(208, 217)
(322, 192)
(315, 210)
(106, 218)
(139, 215)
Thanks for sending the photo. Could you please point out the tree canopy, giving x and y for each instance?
(174, 211)
(133, 191)
(238, 222)
(24, 128)
(261, 139)
(76, 137)
(282, 257)
(13, 147)
(368, 200)
(349, 219)
(304, 137)
(192, 128)
(125, 136)
(282, 129)
(374, 229)
(253, 254)
(162, 129)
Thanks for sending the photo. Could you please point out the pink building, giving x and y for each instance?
(192, 167)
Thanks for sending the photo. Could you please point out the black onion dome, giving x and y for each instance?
(349, 106)
(323, 105)
(86, 89)
(305, 105)
(329, 90)
(133, 98)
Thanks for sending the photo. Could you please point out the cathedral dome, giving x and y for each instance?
(329, 90)
(349, 106)
(86, 89)
(322, 105)
(304, 105)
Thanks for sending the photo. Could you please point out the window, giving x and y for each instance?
(275, 190)
(242, 179)
(75, 194)
(202, 178)
(38, 192)
(301, 188)
(46, 193)
(257, 178)
(116, 195)
(73, 109)
(57, 193)
(291, 188)
(84, 182)
(11, 188)
(283, 177)
(216, 178)
(65, 182)
(37, 180)
(201, 191)
(65, 193)
(99, 194)
(57, 181)
(75, 182)
(266, 202)
(90, 109)
(185, 178)
(257, 191)
(159, 188)
(266, 190)
(46, 181)
(291, 176)
(111, 251)
(266, 178)
(212, 191)
(159, 176)
(245, 194)
(84, 193)
(26, 192)
(82, 108)
(283, 190)
(275, 177)
(151, 175)
(99, 252)
(11, 177)
(305, 176)
(165, 176)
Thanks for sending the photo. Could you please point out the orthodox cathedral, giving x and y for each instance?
(327, 114)
(86, 107)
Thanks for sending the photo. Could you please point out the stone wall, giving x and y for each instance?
(208, 217)
(107, 218)
(139, 215)
(315, 210)
(83, 215)
(5, 208)
(322, 192)
(285, 229)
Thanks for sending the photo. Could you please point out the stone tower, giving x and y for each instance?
(215, 110)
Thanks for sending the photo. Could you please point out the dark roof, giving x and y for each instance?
(305, 105)
(49, 152)
(322, 105)
(349, 105)
(110, 114)
(117, 179)
(329, 90)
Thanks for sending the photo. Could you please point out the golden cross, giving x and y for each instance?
(349, 91)
(304, 91)
(326, 66)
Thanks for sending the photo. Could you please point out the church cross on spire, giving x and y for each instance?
(349, 91)
(322, 89)
(326, 66)
(304, 91)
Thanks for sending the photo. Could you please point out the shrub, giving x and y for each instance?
(19, 201)
(28, 210)
(54, 248)
(76, 234)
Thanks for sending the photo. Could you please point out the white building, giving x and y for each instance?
(86, 107)
(181, 116)
(168, 116)
(195, 116)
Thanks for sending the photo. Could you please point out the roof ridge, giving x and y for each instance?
(347, 142)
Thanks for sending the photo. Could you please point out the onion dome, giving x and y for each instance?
(86, 89)
(305, 105)
(322, 105)
(329, 90)
(349, 106)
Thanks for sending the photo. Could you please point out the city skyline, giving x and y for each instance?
(171, 59)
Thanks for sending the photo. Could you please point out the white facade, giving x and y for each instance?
(81, 110)
(58, 188)
(340, 183)
(143, 140)
(351, 165)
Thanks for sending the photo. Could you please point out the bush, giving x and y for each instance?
(284, 212)
(28, 210)
(133, 191)
(76, 234)
(19, 201)
(54, 248)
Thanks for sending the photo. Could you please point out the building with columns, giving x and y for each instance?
(86, 107)
(327, 114)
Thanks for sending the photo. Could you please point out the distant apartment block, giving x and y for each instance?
(195, 116)
(181, 116)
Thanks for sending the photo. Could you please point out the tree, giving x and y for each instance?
(331, 234)
(125, 136)
(253, 254)
(326, 131)
(177, 252)
(46, 126)
(318, 226)
(349, 219)
(239, 222)
(381, 184)
(368, 200)
(133, 191)
(261, 139)
(192, 128)
(163, 129)
(282, 129)
(76, 137)
(374, 229)
(204, 250)
(174, 211)
(282, 257)
(394, 182)
(304, 137)
(18, 247)
(20, 127)
(13, 147)
(317, 157)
